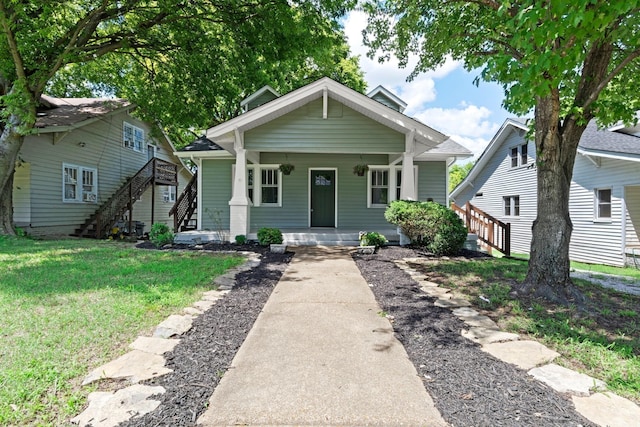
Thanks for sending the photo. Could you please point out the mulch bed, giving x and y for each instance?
(469, 387)
(205, 351)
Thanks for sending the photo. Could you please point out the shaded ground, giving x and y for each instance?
(469, 387)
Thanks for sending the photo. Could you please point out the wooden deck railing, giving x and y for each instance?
(490, 230)
(186, 205)
(155, 171)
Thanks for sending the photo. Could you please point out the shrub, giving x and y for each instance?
(160, 235)
(241, 239)
(428, 224)
(372, 239)
(268, 236)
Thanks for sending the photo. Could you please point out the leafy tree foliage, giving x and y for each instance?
(185, 62)
(569, 61)
(457, 174)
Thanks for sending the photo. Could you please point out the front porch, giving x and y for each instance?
(293, 236)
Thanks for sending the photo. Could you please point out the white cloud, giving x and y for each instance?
(467, 124)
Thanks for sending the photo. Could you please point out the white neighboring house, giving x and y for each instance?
(604, 199)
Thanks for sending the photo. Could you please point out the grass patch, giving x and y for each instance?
(68, 306)
(603, 341)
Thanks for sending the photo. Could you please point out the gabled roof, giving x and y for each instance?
(202, 144)
(593, 143)
(509, 125)
(223, 134)
(63, 114)
(257, 94)
(393, 99)
(607, 143)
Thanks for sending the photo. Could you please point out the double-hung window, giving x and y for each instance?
(79, 184)
(132, 137)
(519, 156)
(511, 205)
(603, 204)
(169, 195)
(379, 187)
(270, 187)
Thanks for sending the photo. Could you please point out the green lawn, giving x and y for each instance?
(68, 306)
(602, 339)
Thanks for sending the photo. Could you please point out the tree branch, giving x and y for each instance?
(11, 40)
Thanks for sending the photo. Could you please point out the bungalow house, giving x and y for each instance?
(604, 199)
(326, 131)
(90, 165)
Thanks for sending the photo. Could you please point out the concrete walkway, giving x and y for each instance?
(321, 353)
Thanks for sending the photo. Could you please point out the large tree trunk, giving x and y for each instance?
(556, 148)
(10, 143)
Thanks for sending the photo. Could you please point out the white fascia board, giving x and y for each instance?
(488, 152)
(609, 155)
(216, 154)
(349, 97)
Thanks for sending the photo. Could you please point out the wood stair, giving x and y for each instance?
(185, 207)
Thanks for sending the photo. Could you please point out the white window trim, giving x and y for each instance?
(512, 199)
(519, 148)
(257, 185)
(596, 206)
(142, 146)
(80, 194)
(169, 195)
(392, 190)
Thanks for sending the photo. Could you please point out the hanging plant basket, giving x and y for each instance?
(287, 168)
(360, 170)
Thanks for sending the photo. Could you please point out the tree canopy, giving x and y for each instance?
(457, 174)
(186, 63)
(568, 61)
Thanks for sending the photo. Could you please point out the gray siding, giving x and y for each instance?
(304, 130)
(353, 212)
(632, 227)
(592, 240)
(497, 180)
(216, 193)
(262, 99)
(99, 146)
(22, 195)
(386, 101)
(432, 181)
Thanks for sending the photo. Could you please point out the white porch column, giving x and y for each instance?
(407, 186)
(239, 203)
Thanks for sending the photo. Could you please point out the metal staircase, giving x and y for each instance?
(185, 207)
(101, 222)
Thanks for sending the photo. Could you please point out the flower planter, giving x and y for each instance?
(366, 250)
(278, 248)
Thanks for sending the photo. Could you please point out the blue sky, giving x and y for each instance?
(445, 99)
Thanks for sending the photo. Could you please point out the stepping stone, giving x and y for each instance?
(136, 366)
(524, 354)
(489, 335)
(608, 409)
(472, 318)
(153, 345)
(441, 293)
(213, 295)
(204, 305)
(173, 325)
(192, 311)
(565, 380)
(109, 409)
(429, 284)
(464, 312)
(225, 281)
(452, 302)
(419, 277)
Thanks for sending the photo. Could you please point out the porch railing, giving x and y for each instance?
(185, 206)
(490, 231)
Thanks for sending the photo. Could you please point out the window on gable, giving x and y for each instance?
(511, 205)
(603, 203)
(270, 187)
(379, 187)
(79, 184)
(132, 137)
(519, 156)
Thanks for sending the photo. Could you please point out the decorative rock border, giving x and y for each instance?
(146, 360)
(588, 394)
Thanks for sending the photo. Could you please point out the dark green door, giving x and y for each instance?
(323, 198)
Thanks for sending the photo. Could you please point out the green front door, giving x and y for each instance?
(323, 198)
